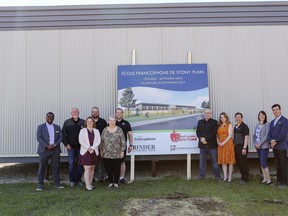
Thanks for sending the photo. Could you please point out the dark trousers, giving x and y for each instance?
(43, 161)
(112, 167)
(100, 171)
(242, 162)
(280, 157)
(202, 163)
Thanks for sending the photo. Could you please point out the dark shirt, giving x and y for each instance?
(240, 133)
(208, 130)
(101, 124)
(71, 130)
(125, 126)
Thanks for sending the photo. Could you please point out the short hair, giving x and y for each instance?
(94, 123)
(263, 113)
(119, 109)
(207, 109)
(276, 105)
(113, 117)
(50, 113)
(238, 113)
(226, 116)
(95, 107)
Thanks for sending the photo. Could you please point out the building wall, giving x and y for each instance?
(55, 70)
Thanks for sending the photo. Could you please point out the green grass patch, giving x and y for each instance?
(251, 199)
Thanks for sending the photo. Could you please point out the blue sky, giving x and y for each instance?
(87, 2)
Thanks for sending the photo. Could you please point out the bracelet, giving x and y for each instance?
(245, 149)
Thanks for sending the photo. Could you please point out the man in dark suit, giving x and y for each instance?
(206, 133)
(49, 137)
(278, 140)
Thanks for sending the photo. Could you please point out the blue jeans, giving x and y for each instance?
(75, 170)
(203, 158)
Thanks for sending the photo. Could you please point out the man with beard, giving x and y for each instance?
(100, 125)
(127, 130)
(71, 130)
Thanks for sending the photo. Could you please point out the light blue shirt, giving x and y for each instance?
(51, 132)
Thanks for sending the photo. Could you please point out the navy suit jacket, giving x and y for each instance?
(43, 138)
(279, 133)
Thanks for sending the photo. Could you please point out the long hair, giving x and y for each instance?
(263, 113)
(94, 123)
(226, 116)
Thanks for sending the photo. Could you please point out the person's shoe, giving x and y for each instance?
(88, 189)
(39, 189)
(264, 182)
(122, 181)
(101, 181)
(241, 182)
(116, 185)
(282, 186)
(72, 184)
(268, 182)
(110, 185)
(80, 184)
(59, 186)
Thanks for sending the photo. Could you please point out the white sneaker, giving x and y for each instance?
(110, 185)
(116, 185)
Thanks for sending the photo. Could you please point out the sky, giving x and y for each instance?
(88, 2)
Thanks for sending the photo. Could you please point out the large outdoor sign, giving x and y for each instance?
(163, 104)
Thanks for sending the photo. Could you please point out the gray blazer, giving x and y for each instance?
(264, 143)
(43, 138)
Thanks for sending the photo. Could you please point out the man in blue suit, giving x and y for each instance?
(278, 140)
(49, 137)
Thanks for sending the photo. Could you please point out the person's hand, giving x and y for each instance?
(273, 143)
(90, 150)
(68, 147)
(203, 141)
(244, 151)
(130, 148)
(220, 144)
(122, 154)
(257, 146)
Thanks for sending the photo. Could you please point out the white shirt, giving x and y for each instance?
(51, 132)
(276, 120)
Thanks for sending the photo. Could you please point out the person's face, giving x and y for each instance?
(276, 111)
(112, 122)
(119, 114)
(89, 123)
(223, 119)
(238, 119)
(75, 113)
(49, 118)
(261, 117)
(95, 113)
(207, 114)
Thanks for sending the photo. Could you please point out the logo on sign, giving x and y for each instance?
(176, 137)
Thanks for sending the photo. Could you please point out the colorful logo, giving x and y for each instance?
(174, 136)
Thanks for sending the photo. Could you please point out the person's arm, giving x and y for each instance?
(282, 135)
(81, 138)
(212, 132)
(230, 134)
(64, 133)
(265, 137)
(40, 139)
(59, 132)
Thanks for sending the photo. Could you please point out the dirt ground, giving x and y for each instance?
(177, 204)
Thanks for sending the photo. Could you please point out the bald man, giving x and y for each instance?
(71, 130)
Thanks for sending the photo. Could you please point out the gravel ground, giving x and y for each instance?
(27, 172)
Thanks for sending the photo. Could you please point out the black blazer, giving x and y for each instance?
(209, 132)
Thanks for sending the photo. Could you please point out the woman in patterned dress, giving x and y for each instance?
(112, 150)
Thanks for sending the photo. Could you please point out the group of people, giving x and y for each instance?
(96, 145)
(91, 144)
(227, 145)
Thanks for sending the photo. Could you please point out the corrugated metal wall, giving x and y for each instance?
(55, 70)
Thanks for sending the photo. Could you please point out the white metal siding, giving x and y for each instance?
(55, 70)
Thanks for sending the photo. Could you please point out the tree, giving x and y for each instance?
(127, 100)
(205, 104)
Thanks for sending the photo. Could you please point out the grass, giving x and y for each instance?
(251, 199)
